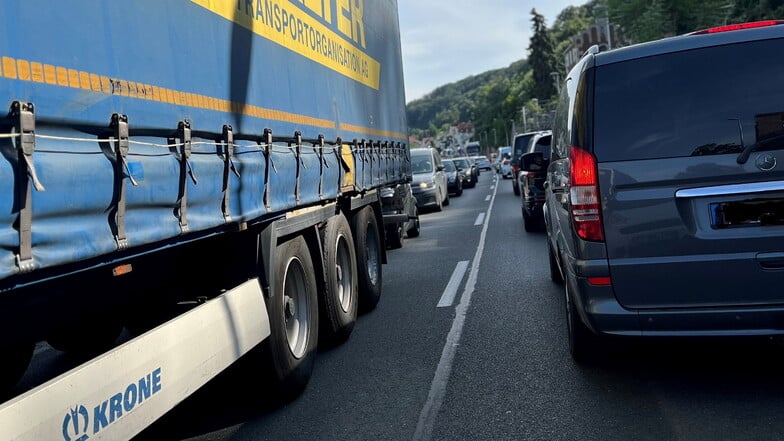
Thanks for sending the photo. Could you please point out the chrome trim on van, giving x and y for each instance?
(727, 190)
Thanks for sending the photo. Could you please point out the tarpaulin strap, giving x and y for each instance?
(184, 134)
(228, 154)
(399, 159)
(386, 160)
(373, 158)
(362, 152)
(121, 170)
(380, 155)
(344, 165)
(320, 146)
(267, 141)
(24, 116)
(300, 164)
(396, 149)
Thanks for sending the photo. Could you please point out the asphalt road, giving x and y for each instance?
(493, 363)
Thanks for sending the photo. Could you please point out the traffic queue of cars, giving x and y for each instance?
(434, 180)
(665, 221)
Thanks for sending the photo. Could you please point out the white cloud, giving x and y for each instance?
(445, 41)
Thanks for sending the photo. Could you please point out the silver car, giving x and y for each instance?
(429, 180)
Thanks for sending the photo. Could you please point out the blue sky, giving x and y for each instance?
(444, 41)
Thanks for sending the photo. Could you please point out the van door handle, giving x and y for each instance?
(771, 261)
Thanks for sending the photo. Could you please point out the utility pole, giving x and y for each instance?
(557, 80)
(603, 20)
(512, 133)
(525, 122)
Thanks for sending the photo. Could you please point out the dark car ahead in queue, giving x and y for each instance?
(665, 189)
(454, 177)
(401, 215)
(482, 163)
(532, 176)
(470, 170)
(519, 148)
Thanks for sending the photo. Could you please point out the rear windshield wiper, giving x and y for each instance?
(748, 149)
(765, 143)
(744, 155)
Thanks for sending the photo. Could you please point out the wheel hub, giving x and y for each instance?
(290, 307)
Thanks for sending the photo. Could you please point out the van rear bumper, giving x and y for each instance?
(602, 313)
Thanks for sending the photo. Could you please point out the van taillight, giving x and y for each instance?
(738, 27)
(584, 195)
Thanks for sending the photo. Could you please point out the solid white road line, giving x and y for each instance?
(427, 417)
(479, 219)
(448, 297)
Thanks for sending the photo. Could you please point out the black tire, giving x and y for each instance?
(529, 224)
(459, 190)
(583, 343)
(515, 186)
(368, 251)
(440, 202)
(394, 236)
(15, 361)
(293, 316)
(339, 300)
(555, 271)
(414, 230)
(88, 338)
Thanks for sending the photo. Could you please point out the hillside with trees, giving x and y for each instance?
(494, 102)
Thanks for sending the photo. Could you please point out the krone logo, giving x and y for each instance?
(766, 162)
(72, 430)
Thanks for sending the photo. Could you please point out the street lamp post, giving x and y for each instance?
(556, 76)
(525, 123)
(603, 20)
(512, 133)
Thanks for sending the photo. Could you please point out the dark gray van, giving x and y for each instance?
(665, 190)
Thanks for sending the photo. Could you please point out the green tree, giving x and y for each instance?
(645, 20)
(541, 57)
(741, 11)
(571, 21)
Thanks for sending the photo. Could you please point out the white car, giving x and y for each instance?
(506, 168)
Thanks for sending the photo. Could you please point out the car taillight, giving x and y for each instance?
(738, 27)
(584, 195)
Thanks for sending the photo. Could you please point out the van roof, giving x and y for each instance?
(688, 42)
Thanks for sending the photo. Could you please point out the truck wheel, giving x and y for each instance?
(293, 316)
(368, 250)
(339, 302)
(414, 230)
(15, 361)
(87, 338)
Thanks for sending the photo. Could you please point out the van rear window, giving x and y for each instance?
(691, 103)
(520, 144)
